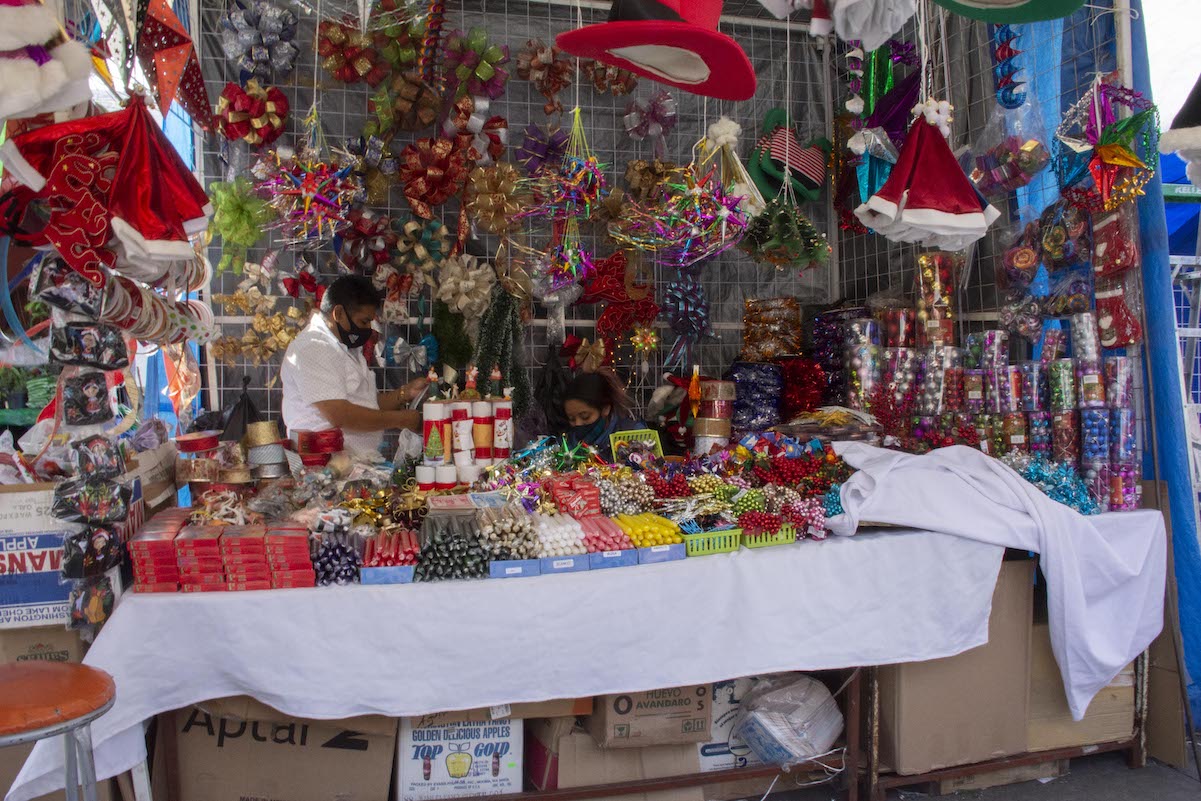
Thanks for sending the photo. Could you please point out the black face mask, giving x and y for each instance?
(354, 336)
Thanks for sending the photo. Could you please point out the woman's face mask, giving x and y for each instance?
(592, 433)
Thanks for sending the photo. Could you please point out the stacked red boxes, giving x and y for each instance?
(288, 557)
(244, 554)
(198, 554)
(152, 552)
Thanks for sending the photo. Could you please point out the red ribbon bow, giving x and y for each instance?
(293, 284)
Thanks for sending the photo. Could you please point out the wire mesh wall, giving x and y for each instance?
(728, 278)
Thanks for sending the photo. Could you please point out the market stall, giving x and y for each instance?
(541, 366)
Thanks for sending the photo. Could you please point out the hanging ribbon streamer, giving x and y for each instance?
(1005, 67)
(687, 311)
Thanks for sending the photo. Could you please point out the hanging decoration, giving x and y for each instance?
(608, 79)
(1005, 67)
(567, 261)
(645, 341)
(432, 171)
(778, 152)
(495, 195)
(239, 217)
(540, 147)
(513, 272)
(854, 62)
(87, 171)
(693, 219)
(783, 236)
(255, 115)
(474, 66)
(470, 126)
(375, 166)
(465, 285)
(687, 311)
(548, 69)
(573, 188)
(721, 143)
(1119, 155)
(646, 178)
(627, 303)
(421, 248)
(169, 61)
(927, 199)
(395, 286)
(350, 55)
(653, 119)
(367, 242)
(259, 36)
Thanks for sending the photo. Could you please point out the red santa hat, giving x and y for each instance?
(927, 199)
(152, 202)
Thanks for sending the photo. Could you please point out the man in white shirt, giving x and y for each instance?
(327, 383)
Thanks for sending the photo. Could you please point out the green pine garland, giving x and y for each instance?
(500, 345)
(450, 329)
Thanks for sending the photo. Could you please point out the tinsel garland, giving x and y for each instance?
(500, 346)
(804, 383)
(1059, 481)
(238, 218)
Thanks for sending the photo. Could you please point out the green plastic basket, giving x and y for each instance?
(706, 543)
(785, 535)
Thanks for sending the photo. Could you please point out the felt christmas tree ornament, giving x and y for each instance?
(674, 42)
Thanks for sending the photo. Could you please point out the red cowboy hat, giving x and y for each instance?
(674, 42)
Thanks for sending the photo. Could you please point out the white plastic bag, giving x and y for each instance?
(788, 719)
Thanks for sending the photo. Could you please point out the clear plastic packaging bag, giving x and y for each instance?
(934, 287)
(1115, 241)
(788, 719)
(771, 328)
(1010, 151)
(1119, 307)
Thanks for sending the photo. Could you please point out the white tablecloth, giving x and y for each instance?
(1105, 574)
(417, 649)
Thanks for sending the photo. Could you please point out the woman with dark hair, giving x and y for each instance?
(596, 406)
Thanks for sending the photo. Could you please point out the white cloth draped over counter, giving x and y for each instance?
(1105, 573)
(416, 649)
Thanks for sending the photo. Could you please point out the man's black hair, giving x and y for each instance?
(351, 292)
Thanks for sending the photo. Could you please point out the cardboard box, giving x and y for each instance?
(1049, 724)
(720, 753)
(222, 759)
(657, 717)
(970, 707)
(563, 708)
(560, 754)
(31, 551)
(43, 644)
(459, 759)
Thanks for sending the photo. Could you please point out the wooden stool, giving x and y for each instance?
(44, 699)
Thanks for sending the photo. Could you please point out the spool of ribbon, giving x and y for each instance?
(327, 441)
(254, 114)
(259, 37)
(494, 197)
(475, 66)
(431, 171)
(542, 147)
(652, 119)
(469, 124)
(687, 312)
(548, 69)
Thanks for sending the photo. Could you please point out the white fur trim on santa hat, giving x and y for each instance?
(140, 250)
(16, 165)
(32, 24)
(1175, 139)
(198, 225)
(24, 85)
(77, 61)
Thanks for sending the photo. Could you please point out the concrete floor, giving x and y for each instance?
(1099, 778)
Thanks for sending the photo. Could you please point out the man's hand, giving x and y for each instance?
(399, 398)
(352, 417)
